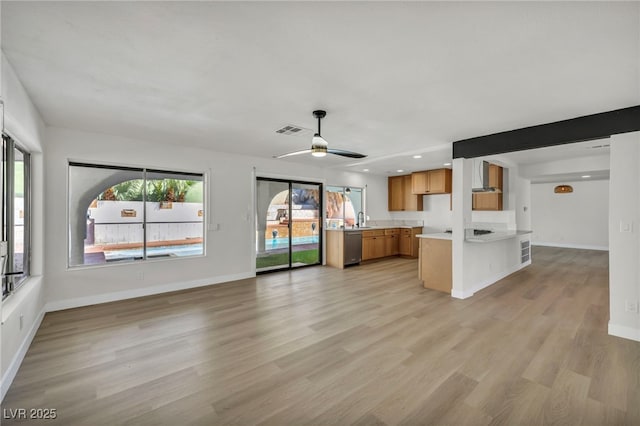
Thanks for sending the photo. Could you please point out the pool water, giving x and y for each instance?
(160, 251)
(278, 243)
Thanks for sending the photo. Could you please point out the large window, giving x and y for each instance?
(344, 204)
(15, 214)
(123, 214)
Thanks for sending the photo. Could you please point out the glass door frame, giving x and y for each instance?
(291, 182)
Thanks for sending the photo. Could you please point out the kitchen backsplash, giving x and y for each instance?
(500, 220)
(401, 222)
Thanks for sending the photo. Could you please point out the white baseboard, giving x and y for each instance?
(145, 291)
(11, 372)
(624, 332)
(487, 282)
(569, 245)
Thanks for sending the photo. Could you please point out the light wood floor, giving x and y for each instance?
(364, 345)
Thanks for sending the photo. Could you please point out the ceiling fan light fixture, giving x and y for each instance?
(318, 146)
(318, 141)
(318, 152)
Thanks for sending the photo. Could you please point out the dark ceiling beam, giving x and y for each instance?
(588, 127)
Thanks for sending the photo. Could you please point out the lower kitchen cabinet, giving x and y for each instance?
(404, 244)
(391, 242)
(435, 267)
(409, 244)
(373, 244)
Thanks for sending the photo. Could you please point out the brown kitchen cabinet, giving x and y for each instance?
(409, 244)
(400, 196)
(490, 200)
(373, 244)
(431, 182)
(391, 242)
(404, 245)
(435, 267)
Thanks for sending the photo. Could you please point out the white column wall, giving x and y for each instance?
(624, 235)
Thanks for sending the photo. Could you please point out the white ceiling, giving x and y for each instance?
(396, 78)
(564, 163)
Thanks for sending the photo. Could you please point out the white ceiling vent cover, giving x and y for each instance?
(291, 129)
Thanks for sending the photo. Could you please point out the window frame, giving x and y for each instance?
(12, 280)
(144, 170)
(344, 193)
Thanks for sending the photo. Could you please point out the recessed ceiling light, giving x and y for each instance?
(417, 156)
(399, 170)
(446, 164)
(586, 176)
(365, 170)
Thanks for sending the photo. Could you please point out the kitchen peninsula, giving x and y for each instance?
(435, 254)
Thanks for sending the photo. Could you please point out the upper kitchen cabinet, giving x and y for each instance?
(490, 200)
(431, 182)
(400, 196)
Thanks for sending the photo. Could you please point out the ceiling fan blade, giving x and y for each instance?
(344, 153)
(304, 151)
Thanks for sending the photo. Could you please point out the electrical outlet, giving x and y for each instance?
(631, 306)
(21, 321)
(626, 226)
(140, 275)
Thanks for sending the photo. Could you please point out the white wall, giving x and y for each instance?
(436, 213)
(230, 205)
(624, 234)
(25, 125)
(592, 164)
(579, 219)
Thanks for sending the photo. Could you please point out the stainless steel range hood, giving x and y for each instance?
(480, 177)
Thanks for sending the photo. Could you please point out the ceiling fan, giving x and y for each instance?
(320, 147)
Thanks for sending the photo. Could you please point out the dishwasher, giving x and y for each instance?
(352, 247)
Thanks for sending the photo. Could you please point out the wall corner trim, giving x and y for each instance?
(11, 372)
(457, 294)
(624, 331)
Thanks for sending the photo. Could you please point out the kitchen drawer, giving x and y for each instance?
(391, 231)
(373, 233)
(405, 231)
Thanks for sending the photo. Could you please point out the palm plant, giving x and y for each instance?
(157, 190)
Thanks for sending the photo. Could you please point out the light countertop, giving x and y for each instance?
(496, 236)
(367, 228)
(486, 238)
(438, 236)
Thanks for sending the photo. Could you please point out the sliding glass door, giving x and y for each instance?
(288, 224)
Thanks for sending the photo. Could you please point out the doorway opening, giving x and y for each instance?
(288, 224)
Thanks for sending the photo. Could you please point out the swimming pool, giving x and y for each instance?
(160, 251)
(278, 243)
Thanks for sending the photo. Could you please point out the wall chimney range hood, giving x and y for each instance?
(480, 177)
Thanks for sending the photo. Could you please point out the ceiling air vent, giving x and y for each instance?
(291, 129)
